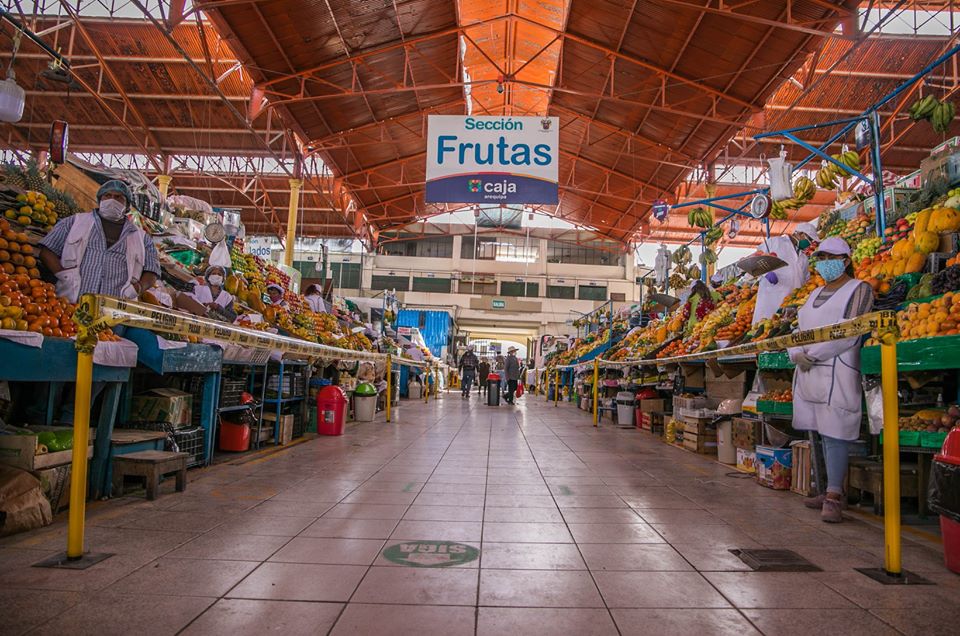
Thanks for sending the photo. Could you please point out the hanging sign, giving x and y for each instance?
(492, 159)
(660, 210)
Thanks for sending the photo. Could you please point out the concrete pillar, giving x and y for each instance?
(295, 185)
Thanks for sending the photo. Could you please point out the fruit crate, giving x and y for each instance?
(907, 438)
(689, 403)
(774, 361)
(299, 425)
(774, 408)
(932, 440)
(230, 391)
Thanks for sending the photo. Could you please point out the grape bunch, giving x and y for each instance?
(946, 280)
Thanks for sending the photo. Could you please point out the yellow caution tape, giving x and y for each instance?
(868, 323)
(96, 313)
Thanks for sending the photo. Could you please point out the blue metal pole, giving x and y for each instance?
(881, 219)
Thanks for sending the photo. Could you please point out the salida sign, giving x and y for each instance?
(492, 159)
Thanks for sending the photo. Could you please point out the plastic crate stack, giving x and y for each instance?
(187, 440)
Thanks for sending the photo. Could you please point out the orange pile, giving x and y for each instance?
(16, 254)
(29, 304)
(940, 317)
(741, 324)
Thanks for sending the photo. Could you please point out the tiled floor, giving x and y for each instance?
(580, 531)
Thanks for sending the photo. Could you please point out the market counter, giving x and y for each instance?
(54, 361)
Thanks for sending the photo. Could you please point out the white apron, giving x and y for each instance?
(68, 279)
(791, 276)
(203, 295)
(828, 397)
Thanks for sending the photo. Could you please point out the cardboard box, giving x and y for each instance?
(162, 405)
(747, 460)
(704, 443)
(692, 377)
(722, 387)
(746, 433)
(801, 474)
(286, 426)
(658, 405)
(774, 467)
(55, 483)
(21, 450)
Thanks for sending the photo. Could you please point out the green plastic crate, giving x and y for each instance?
(774, 360)
(775, 408)
(932, 440)
(907, 438)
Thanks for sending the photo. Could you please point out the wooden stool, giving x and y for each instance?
(150, 465)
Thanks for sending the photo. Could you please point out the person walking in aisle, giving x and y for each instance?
(468, 371)
(483, 370)
(826, 384)
(511, 368)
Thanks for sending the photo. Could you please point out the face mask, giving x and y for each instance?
(803, 244)
(831, 270)
(215, 279)
(112, 210)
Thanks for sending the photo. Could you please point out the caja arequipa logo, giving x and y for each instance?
(545, 123)
(473, 185)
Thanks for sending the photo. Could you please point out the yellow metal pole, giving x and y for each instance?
(596, 392)
(426, 385)
(389, 384)
(295, 185)
(78, 475)
(891, 454)
(163, 184)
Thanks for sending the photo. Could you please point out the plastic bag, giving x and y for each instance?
(873, 394)
(220, 256)
(780, 171)
(944, 495)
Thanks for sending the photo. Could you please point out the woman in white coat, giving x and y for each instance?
(775, 286)
(210, 293)
(827, 393)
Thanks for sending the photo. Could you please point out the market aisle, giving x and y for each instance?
(553, 527)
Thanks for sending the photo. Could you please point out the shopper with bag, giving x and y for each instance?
(101, 252)
(468, 371)
(511, 368)
(827, 387)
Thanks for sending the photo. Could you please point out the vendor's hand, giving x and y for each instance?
(803, 361)
(135, 282)
(772, 278)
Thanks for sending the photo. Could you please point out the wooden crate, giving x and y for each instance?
(801, 477)
(77, 184)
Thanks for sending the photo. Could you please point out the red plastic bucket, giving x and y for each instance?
(950, 532)
(234, 437)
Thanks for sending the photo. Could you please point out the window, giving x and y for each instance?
(591, 292)
(511, 249)
(308, 269)
(469, 287)
(558, 252)
(439, 285)
(400, 283)
(434, 247)
(618, 297)
(519, 289)
(345, 275)
(561, 291)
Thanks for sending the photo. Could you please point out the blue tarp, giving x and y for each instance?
(434, 326)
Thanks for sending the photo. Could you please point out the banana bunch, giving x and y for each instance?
(677, 281)
(693, 273)
(938, 113)
(708, 256)
(681, 256)
(700, 217)
(713, 235)
(777, 210)
(828, 173)
(804, 188)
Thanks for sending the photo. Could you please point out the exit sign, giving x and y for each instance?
(499, 304)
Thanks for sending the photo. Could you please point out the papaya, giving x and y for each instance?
(915, 263)
(269, 313)
(148, 297)
(232, 284)
(926, 242)
(923, 220)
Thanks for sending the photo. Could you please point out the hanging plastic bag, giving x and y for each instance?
(781, 187)
(873, 394)
(220, 256)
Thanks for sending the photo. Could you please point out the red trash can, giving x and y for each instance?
(234, 436)
(331, 410)
(945, 497)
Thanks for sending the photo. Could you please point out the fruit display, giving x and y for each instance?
(29, 304)
(30, 208)
(931, 420)
(800, 295)
(857, 228)
(939, 317)
(786, 395)
(17, 255)
(937, 112)
(867, 248)
(947, 280)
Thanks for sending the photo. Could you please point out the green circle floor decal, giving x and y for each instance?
(431, 554)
